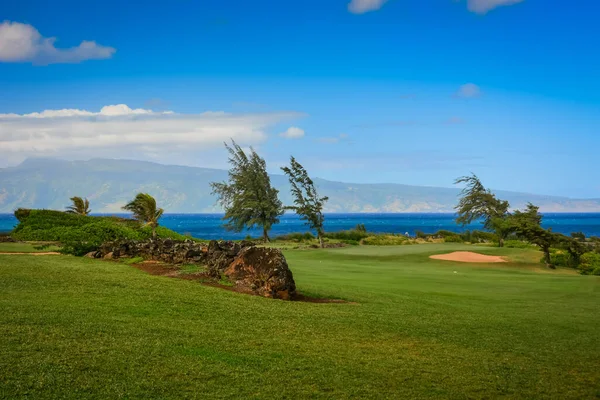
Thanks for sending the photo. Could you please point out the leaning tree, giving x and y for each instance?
(476, 202)
(143, 207)
(307, 202)
(248, 197)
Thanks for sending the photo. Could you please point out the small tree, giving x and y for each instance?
(528, 225)
(307, 202)
(477, 202)
(248, 198)
(144, 209)
(79, 206)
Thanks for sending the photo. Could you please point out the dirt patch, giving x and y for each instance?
(468, 257)
(157, 268)
(47, 253)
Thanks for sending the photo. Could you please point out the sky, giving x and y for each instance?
(368, 91)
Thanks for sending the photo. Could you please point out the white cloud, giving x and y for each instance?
(483, 6)
(468, 90)
(133, 133)
(364, 6)
(23, 43)
(292, 133)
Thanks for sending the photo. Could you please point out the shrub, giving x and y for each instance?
(518, 244)
(384, 240)
(360, 228)
(560, 258)
(81, 234)
(590, 264)
(453, 239)
(296, 237)
(353, 234)
(21, 214)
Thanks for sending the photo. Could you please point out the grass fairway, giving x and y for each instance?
(26, 248)
(79, 328)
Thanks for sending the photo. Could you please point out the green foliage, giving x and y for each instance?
(79, 206)
(144, 209)
(307, 203)
(248, 197)
(590, 264)
(22, 213)
(82, 234)
(528, 225)
(453, 239)
(578, 236)
(360, 228)
(477, 202)
(296, 237)
(518, 244)
(354, 235)
(385, 240)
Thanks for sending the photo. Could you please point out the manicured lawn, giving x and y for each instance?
(80, 328)
(26, 248)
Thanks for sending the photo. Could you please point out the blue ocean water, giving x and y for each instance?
(209, 226)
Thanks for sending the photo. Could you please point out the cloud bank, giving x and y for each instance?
(23, 43)
(135, 133)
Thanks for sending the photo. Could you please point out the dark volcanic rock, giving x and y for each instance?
(165, 250)
(264, 271)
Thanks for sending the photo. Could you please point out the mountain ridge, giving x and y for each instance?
(110, 183)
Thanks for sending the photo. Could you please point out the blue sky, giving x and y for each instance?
(402, 91)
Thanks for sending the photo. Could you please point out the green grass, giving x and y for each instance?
(26, 248)
(81, 328)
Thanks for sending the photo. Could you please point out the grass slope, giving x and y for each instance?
(79, 328)
(26, 248)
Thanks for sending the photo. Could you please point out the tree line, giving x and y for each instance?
(479, 203)
(248, 198)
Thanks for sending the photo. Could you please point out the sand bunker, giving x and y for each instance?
(468, 257)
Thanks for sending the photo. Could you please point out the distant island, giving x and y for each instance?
(49, 183)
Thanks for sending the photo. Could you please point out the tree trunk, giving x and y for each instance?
(500, 241)
(266, 235)
(320, 234)
(153, 232)
(547, 258)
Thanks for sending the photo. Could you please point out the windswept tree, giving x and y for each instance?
(144, 209)
(307, 203)
(79, 206)
(528, 225)
(477, 202)
(248, 198)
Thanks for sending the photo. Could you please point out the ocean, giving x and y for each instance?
(209, 226)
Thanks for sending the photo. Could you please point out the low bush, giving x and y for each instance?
(385, 240)
(590, 264)
(354, 234)
(81, 234)
(518, 244)
(296, 237)
(453, 239)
